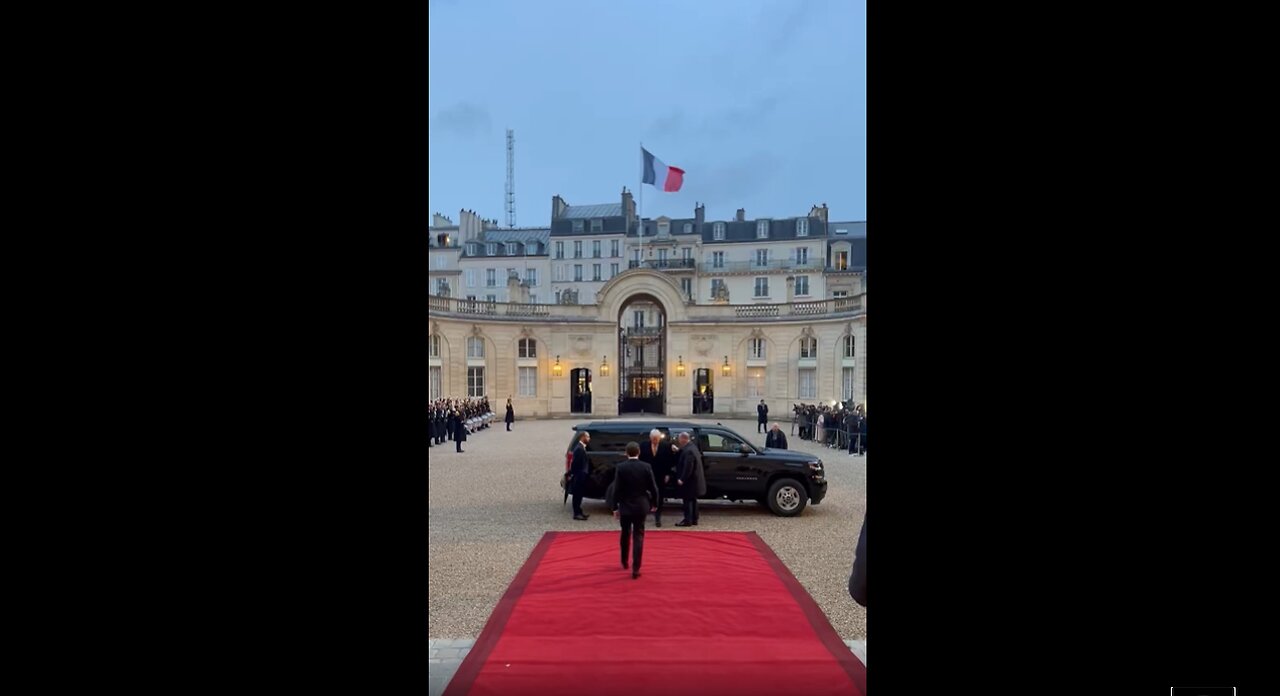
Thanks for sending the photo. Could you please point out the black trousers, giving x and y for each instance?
(459, 444)
(577, 504)
(690, 509)
(760, 427)
(633, 536)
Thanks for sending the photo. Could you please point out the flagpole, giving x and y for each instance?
(640, 208)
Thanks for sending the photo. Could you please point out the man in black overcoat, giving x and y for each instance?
(776, 439)
(762, 415)
(579, 468)
(690, 480)
(459, 430)
(661, 457)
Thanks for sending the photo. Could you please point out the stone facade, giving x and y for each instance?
(784, 353)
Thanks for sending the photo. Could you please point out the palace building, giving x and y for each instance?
(601, 313)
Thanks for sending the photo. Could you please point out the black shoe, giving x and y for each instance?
(684, 523)
(580, 517)
(657, 523)
(635, 575)
(695, 524)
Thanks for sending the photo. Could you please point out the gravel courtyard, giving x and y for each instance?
(489, 505)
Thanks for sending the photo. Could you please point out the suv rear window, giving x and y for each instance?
(713, 441)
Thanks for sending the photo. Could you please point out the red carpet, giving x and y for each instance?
(712, 613)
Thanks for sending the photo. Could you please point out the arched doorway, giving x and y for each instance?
(580, 390)
(642, 341)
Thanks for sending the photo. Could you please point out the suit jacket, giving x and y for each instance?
(634, 490)
(460, 428)
(858, 578)
(511, 414)
(776, 439)
(695, 482)
(763, 412)
(663, 462)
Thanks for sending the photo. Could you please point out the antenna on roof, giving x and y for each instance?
(511, 178)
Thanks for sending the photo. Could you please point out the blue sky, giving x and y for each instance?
(762, 102)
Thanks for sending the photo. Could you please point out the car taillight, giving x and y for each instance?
(568, 460)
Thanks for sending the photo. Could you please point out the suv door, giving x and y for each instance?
(729, 472)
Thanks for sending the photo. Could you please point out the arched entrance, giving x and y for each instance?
(642, 343)
(580, 390)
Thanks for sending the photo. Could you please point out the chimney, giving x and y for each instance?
(819, 212)
(438, 220)
(558, 207)
(742, 215)
(699, 217)
(628, 205)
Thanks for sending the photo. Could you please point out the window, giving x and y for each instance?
(639, 319)
(613, 249)
(717, 287)
(717, 259)
(491, 277)
(577, 250)
(475, 347)
(808, 348)
(475, 381)
(664, 229)
(613, 270)
(597, 226)
(533, 298)
(490, 298)
(839, 293)
(471, 277)
(595, 271)
(802, 256)
(436, 387)
(473, 249)
(577, 271)
(527, 348)
(718, 230)
(528, 378)
(846, 384)
(762, 287)
(688, 228)
(755, 383)
(435, 345)
(511, 248)
(802, 227)
(636, 254)
(686, 253)
(686, 286)
(577, 225)
(808, 383)
(662, 256)
(720, 442)
(755, 349)
(531, 248)
(491, 249)
(595, 249)
(842, 231)
(848, 346)
(441, 261)
(559, 273)
(802, 285)
(559, 250)
(531, 277)
(842, 261)
(442, 287)
(762, 257)
(762, 229)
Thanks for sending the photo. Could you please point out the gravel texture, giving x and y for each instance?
(491, 504)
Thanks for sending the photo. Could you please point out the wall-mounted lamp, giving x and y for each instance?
(725, 369)
(680, 366)
(555, 369)
(604, 365)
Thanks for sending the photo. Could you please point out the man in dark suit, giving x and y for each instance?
(762, 415)
(632, 497)
(661, 457)
(776, 439)
(858, 578)
(459, 430)
(578, 470)
(690, 481)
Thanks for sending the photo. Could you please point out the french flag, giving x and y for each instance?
(661, 176)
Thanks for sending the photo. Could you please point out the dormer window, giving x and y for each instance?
(664, 229)
(491, 249)
(802, 227)
(718, 231)
(473, 249)
(762, 229)
(577, 225)
(511, 248)
(597, 225)
(688, 228)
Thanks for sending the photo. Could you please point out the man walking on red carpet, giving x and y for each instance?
(632, 497)
(690, 482)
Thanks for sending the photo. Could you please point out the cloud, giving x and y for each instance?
(464, 119)
(668, 126)
(788, 33)
(738, 180)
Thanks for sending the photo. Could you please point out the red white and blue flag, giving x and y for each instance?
(661, 176)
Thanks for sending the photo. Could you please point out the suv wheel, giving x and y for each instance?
(787, 497)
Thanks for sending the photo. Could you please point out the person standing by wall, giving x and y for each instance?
(511, 414)
(632, 497)
(762, 415)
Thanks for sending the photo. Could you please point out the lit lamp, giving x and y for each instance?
(725, 369)
(680, 366)
(604, 365)
(555, 369)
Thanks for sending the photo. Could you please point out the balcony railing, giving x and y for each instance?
(696, 312)
(667, 264)
(814, 265)
(634, 331)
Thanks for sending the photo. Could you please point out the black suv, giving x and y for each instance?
(735, 469)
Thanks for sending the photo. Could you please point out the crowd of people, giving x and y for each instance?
(455, 419)
(839, 427)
